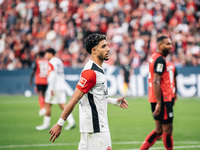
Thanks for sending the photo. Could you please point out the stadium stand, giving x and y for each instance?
(30, 26)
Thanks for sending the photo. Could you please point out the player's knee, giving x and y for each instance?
(158, 130)
(168, 129)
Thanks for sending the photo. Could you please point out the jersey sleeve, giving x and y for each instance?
(159, 65)
(87, 80)
(50, 68)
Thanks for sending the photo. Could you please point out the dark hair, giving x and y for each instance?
(51, 50)
(161, 38)
(41, 54)
(92, 40)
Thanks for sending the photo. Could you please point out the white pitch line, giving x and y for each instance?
(161, 148)
(38, 145)
(114, 143)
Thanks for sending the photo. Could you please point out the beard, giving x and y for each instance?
(102, 58)
(166, 51)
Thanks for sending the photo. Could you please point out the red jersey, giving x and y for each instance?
(172, 75)
(41, 71)
(157, 64)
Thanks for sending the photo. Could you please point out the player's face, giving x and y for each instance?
(166, 46)
(102, 50)
(48, 55)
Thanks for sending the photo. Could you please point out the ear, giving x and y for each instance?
(93, 50)
(159, 45)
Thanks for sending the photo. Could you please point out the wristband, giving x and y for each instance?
(113, 101)
(61, 122)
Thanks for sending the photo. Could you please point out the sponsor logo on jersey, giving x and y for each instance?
(82, 81)
(159, 67)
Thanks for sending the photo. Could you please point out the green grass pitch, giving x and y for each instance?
(19, 117)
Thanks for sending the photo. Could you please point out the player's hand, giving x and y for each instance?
(124, 103)
(55, 132)
(157, 109)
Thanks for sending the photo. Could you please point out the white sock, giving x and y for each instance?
(47, 120)
(70, 119)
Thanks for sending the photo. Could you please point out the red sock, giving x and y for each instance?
(168, 141)
(150, 140)
(41, 102)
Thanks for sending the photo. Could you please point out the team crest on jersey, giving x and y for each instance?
(109, 148)
(159, 67)
(82, 81)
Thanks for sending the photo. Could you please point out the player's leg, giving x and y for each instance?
(153, 136)
(62, 103)
(167, 136)
(47, 118)
(168, 126)
(41, 99)
(40, 89)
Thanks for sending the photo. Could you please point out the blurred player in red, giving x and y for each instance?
(56, 91)
(172, 75)
(40, 69)
(160, 96)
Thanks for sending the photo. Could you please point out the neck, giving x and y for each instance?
(97, 61)
(162, 53)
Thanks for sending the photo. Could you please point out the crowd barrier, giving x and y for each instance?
(188, 81)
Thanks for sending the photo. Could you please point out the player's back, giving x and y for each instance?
(41, 71)
(58, 69)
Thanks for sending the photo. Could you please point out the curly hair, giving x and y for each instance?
(92, 40)
(51, 50)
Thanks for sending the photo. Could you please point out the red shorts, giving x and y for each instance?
(166, 115)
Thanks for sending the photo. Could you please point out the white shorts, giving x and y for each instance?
(95, 141)
(58, 98)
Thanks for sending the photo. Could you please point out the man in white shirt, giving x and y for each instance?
(56, 91)
(92, 92)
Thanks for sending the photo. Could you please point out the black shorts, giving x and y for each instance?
(173, 101)
(41, 88)
(166, 115)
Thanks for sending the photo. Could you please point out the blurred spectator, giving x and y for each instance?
(30, 26)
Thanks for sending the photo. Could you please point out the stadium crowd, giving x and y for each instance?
(30, 26)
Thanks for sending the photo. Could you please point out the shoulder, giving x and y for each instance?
(87, 80)
(160, 59)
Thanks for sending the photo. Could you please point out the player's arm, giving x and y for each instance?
(121, 102)
(157, 91)
(33, 66)
(56, 129)
(175, 83)
(159, 67)
(86, 82)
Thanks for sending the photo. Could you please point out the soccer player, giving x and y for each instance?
(40, 67)
(160, 96)
(92, 92)
(173, 74)
(55, 93)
